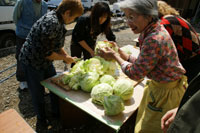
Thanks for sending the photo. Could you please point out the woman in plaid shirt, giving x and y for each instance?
(158, 60)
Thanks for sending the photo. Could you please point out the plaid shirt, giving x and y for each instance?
(184, 36)
(158, 59)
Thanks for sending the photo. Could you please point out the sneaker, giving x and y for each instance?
(23, 85)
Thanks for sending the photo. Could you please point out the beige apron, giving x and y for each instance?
(158, 98)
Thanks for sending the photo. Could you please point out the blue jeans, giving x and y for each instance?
(34, 77)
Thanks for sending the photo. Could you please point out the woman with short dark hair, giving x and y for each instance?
(43, 45)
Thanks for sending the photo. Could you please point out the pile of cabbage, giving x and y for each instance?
(101, 79)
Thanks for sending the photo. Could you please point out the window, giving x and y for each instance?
(7, 2)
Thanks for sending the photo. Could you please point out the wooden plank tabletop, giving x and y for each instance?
(12, 122)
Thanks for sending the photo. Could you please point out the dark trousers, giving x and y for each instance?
(77, 50)
(19, 70)
(34, 77)
(192, 67)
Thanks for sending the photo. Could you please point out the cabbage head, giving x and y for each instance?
(113, 105)
(113, 68)
(104, 63)
(123, 88)
(90, 79)
(100, 91)
(109, 67)
(74, 81)
(103, 45)
(78, 67)
(66, 78)
(129, 49)
(108, 79)
(93, 65)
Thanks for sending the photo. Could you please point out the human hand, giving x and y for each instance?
(167, 119)
(69, 59)
(92, 53)
(114, 44)
(107, 54)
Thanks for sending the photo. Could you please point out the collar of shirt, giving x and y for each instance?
(59, 17)
(148, 29)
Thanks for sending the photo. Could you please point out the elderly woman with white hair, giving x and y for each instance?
(158, 60)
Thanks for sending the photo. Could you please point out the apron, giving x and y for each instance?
(158, 98)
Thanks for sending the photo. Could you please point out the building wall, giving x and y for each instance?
(187, 8)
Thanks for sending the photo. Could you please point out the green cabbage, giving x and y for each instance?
(78, 67)
(113, 105)
(123, 88)
(90, 79)
(113, 69)
(66, 78)
(108, 79)
(103, 45)
(93, 65)
(129, 49)
(109, 67)
(74, 81)
(99, 91)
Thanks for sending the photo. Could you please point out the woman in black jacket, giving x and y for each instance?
(88, 27)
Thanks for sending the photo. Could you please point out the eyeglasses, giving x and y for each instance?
(131, 18)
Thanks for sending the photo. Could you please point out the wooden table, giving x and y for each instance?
(12, 122)
(82, 101)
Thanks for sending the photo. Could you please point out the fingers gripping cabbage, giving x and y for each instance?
(103, 45)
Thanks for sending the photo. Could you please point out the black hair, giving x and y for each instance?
(100, 9)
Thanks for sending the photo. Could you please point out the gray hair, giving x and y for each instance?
(144, 7)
